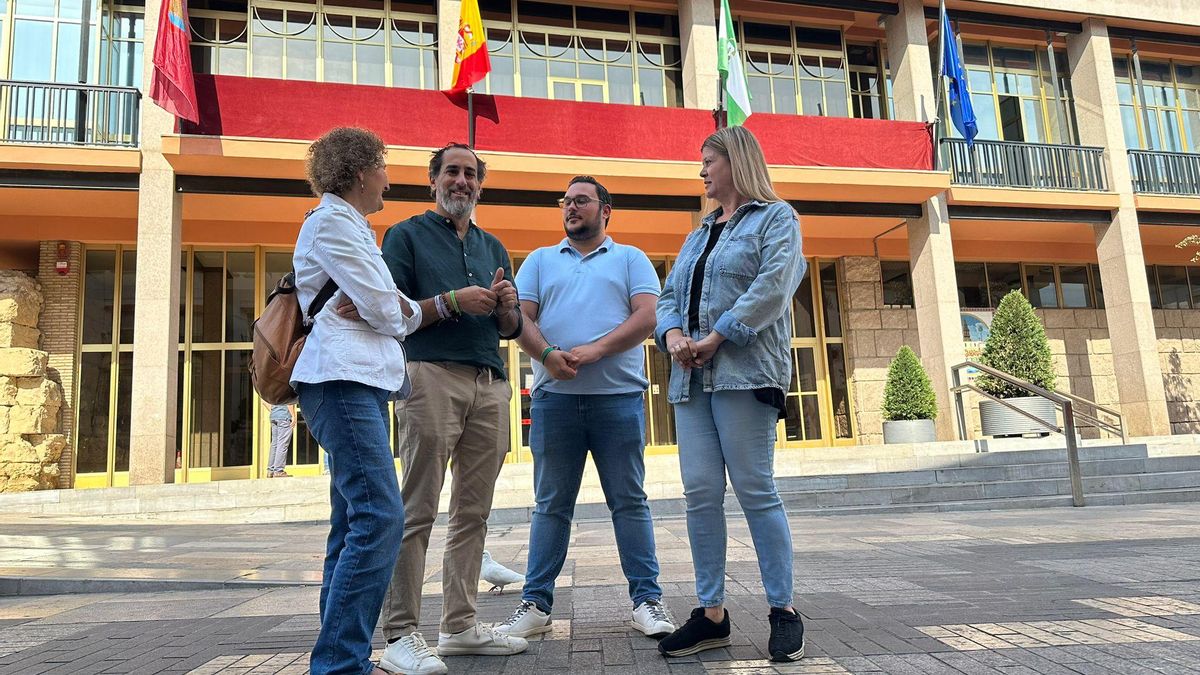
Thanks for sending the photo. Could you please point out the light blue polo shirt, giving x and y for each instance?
(580, 300)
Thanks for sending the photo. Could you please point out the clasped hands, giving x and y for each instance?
(690, 353)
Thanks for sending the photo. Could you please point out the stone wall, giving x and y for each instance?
(1179, 356)
(30, 445)
(873, 335)
(1078, 342)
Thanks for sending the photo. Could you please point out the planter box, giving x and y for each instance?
(999, 421)
(909, 431)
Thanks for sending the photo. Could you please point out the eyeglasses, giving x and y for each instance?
(580, 202)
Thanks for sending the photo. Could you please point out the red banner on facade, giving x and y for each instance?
(171, 85)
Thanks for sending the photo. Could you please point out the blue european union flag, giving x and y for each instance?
(961, 111)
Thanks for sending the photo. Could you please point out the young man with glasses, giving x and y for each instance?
(588, 304)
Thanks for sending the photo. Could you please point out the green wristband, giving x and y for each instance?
(454, 303)
(546, 352)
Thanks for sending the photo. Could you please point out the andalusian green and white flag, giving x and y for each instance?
(729, 63)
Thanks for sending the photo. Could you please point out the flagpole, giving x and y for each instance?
(471, 117)
(937, 75)
(720, 114)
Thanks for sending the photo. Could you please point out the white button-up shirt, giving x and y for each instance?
(337, 242)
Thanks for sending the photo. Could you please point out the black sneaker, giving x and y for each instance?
(697, 635)
(787, 636)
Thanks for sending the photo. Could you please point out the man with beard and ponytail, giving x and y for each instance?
(458, 413)
(588, 304)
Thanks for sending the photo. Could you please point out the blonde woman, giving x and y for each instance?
(724, 317)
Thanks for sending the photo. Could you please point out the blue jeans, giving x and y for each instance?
(366, 522)
(563, 428)
(732, 431)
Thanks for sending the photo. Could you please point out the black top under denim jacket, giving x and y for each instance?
(426, 258)
(769, 395)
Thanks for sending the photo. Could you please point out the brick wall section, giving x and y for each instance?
(874, 334)
(59, 324)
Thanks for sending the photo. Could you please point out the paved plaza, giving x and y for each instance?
(1056, 591)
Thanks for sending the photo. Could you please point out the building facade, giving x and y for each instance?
(155, 242)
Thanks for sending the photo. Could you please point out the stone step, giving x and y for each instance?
(989, 473)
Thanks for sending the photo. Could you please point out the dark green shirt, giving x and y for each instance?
(426, 257)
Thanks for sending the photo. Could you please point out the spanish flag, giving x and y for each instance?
(471, 62)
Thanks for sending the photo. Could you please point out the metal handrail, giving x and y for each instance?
(1165, 172)
(1028, 165)
(68, 114)
(1065, 402)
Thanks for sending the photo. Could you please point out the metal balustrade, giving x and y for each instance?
(68, 114)
(1025, 165)
(1167, 173)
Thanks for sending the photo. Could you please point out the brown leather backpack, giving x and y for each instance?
(279, 336)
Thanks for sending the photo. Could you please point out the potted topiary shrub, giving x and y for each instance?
(909, 405)
(1016, 345)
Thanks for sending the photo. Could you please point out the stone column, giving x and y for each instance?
(156, 316)
(930, 248)
(698, 39)
(1118, 243)
(447, 12)
(59, 325)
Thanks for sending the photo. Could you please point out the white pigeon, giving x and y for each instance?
(498, 575)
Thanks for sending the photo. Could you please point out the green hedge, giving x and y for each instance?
(908, 394)
(1016, 345)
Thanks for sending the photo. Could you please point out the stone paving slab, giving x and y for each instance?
(1062, 591)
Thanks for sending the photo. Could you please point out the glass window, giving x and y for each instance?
(91, 434)
(238, 448)
(1041, 287)
(810, 71)
(204, 441)
(838, 390)
(99, 279)
(208, 290)
(972, 285)
(124, 406)
(1002, 279)
(1014, 96)
(584, 54)
(1152, 282)
(1173, 287)
(897, 283)
(128, 294)
(804, 317)
(239, 296)
(1076, 291)
(1097, 285)
(830, 301)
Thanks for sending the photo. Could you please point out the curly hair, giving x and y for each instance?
(335, 159)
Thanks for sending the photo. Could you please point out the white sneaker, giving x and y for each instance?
(479, 639)
(651, 619)
(525, 621)
(410, 654)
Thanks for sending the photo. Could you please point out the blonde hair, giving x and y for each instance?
(749, 167)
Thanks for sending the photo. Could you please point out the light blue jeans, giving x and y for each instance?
(565, 427)
(731, 431)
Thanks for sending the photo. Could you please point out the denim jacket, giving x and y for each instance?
(337, 242)
(749, 280)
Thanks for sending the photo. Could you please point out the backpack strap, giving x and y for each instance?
(323, 297)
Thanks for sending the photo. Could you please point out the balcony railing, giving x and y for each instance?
(1167, 173)
(68, 114)
(1025, 165)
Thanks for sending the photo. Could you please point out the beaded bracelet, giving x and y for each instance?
(439, 303)
(546, 352)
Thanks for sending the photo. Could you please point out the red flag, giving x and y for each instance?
(171, 85)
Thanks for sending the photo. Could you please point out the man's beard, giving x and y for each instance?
(457, 208)
(584, 230)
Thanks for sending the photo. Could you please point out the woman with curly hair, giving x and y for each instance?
(351, 366)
